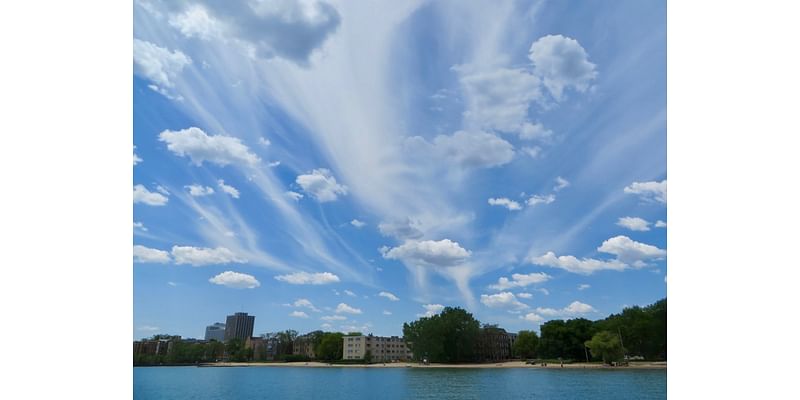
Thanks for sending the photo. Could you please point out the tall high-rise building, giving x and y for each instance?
(216, 332)
(239, 326)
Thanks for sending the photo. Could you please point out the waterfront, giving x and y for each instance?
(178, 383)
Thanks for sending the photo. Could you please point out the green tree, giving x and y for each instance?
(367, 356)
(330, 346)
(446, 337)
(526, 344)
(605, 345)
(565, 339)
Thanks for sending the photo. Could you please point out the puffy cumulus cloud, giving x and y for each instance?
(288, 29)
(199, 190)
(402, 230)
(649, 191)
(136, 158)
(235, 280)
(473, 149)
(584, 266)
(306, 278)
(139, 225)
(499, 99)
(349, 293)
(199, 256)
(561, 183)
(584, 286)
(294, 195)
(520, 280)
(230, 190)
(562, 63)
(634, 224)
(505, 202)
(525, 295)
(431, 310)
(534, 131)
(358, 224)
(298, 314)
(532, 317)
(532, 152)
(144, 196)
(630, 251)
(389, 296)
(442, 253)
(199, 147)
(333, 318)
(343, 308)
(142, 254)
(573, 309)
(502, 300)
(305, 303)
(541, 199)
(158, 64)
(321, 184)
(660, 224)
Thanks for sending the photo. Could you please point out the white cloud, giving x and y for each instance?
(533, 152)
(321, 184)
(199, 256)
(520, 280)
(386, 312)
(139, 225)
(333, 318)
(441, 253)
(431, 310)
(573, 309)
(465, 149)
(344, 308)
(649, 191)
(294, 195)
(634, 224)
(264, 141)
(235, 280)
(534, 131)
(142, 254)
(228, 189)
(544, 291)
(630, 251)
(532, 317)
(298, 314)
(136, 159)
(585, 266)
(525, 295)
(541, 199)
(305, 278)
(402, 230)
(561, 183)
(349, 293)
(306, 304)
(158, 64)
(584, 286)
(502, 299)
(561, 63)
(326, 326)
(660, 224)
(199, 190)
(357, 223)
(142, 195)
(389, 296)
(198, 146)
(505, 202)
(195, 22)
(173, 284)
(148, 328)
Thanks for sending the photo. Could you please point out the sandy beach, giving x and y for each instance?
(507, 364)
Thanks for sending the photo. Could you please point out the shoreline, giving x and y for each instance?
(500, 365)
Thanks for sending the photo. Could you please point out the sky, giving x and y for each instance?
(351, 166)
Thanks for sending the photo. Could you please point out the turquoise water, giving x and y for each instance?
(183, 383)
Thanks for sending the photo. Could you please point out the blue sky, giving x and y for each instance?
(354, 165)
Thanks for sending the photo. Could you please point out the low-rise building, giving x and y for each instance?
(263, 349)
(493, 344)
(304, 345)
(376, 348)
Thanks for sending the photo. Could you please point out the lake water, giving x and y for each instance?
(180, 383)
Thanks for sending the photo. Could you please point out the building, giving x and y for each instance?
(215, 332)
(159, 347)
(263, 349)
(493, 344)
(239, 326)
(379, 348)
(304, 345)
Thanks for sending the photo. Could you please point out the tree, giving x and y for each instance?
(526, 344)
(330, 346)
(565, 339)
(368, 357)
(446, 337)
(605, 345)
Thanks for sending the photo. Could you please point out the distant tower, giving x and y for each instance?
(239, 326)
(216, 332)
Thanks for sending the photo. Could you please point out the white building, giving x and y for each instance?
(381, 349)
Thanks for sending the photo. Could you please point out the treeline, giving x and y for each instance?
(447, 337)
(636, 331)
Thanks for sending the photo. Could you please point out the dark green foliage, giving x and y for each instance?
(526, 344)
(643, 330)
(565, 339)
(446, 337)
(329, 347)
(605, 345)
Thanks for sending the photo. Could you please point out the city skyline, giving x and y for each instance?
(352, 171)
